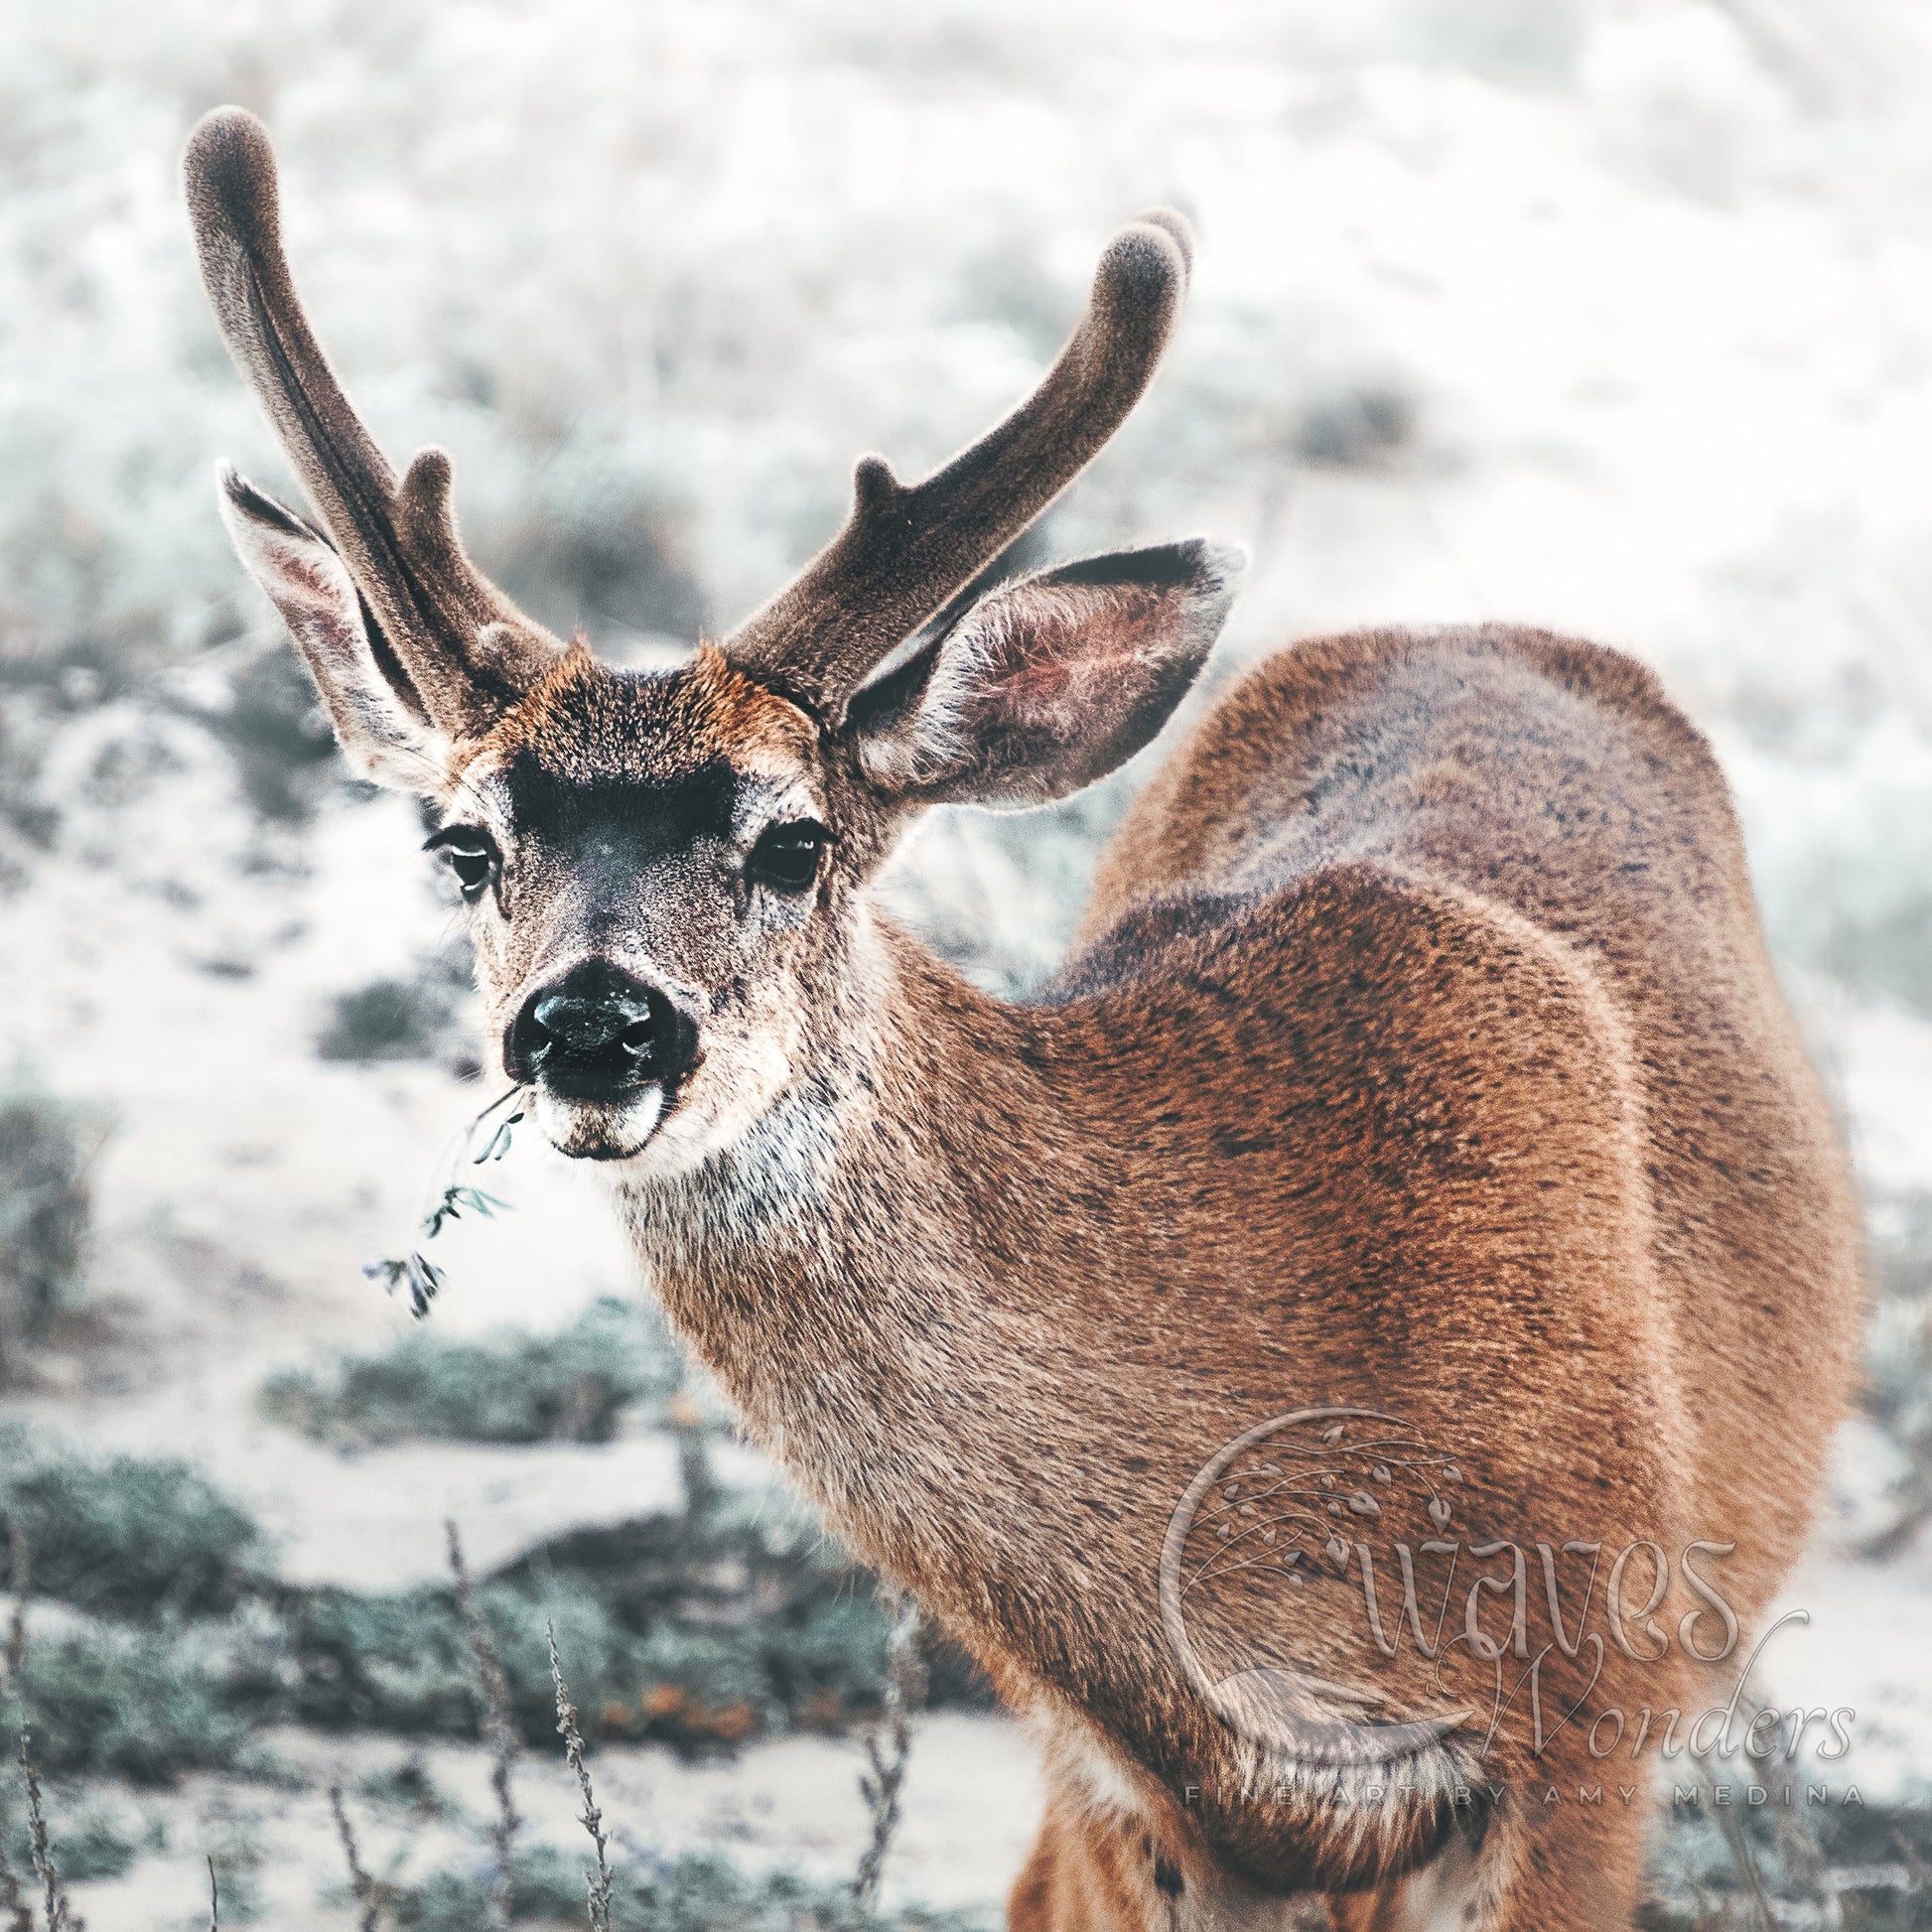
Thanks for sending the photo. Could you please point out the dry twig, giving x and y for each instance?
(591, 1819)
(43, 1866)
(448, 1199)
(499, 1731)
(889, 1744)
(19, 1914)
(20, 1575)
(13, 1901)
(1758, 1904)
(362, 1886)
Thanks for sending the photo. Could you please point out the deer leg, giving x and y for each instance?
(1570, 1869)
(1089, 1873)
(1064, 1885)
(1444, 1895)
(1573, 1869)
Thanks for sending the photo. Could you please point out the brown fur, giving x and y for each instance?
(1420, 1057)
(571, 718)
(1478, 1103)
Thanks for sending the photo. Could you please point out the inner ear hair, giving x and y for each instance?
(1048, 682)
(378, 718)
(250, 499)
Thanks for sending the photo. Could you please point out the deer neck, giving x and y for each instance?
(879, 1271)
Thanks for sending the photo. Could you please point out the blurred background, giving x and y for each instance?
(1609, 315)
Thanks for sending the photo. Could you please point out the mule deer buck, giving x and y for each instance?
(1375, 1318)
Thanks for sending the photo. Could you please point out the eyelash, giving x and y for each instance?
(787, 856)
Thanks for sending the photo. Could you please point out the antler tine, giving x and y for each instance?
(904, 550)
(467, 650)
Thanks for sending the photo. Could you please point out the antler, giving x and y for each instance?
(465, 647)
(903, 551)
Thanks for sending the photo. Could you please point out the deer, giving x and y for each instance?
(1415, 1163)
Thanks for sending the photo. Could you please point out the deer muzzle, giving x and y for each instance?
(600, 1034)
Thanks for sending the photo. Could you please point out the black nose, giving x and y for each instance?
(599, 1033)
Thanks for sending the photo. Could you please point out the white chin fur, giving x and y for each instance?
(587, 1129)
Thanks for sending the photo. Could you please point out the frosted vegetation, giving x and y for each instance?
(1609, 315)
(1612, 315)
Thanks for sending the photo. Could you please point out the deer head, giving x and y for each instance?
(665, 871)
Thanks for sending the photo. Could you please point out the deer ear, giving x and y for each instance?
(379, 721)
(1048, 683)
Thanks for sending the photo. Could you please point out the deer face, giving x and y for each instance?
(664, 873)
(653, 882)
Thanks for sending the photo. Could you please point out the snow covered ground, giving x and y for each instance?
(1614, 315)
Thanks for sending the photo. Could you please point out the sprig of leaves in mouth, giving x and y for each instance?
(451, 1196)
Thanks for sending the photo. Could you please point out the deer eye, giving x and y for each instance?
(472, 854)
(786, 856)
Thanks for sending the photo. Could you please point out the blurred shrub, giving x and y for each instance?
(730, 1619)
(387, 1019)
(1898, 1386)
(399, 1662)
(697, 1632)
(1355, 423)
(130, 1536)
(93, 1833)
(1838, 819)
(382, 1662)
(418, 1018)
(408, 1786)
(277, 733)
(1891, 954)
(509, 1387)
(28, 822)
(1861, 1865)
(746, 1619)
(700, 1892)
(591, 547)
(46, 1146)
(144, 1705)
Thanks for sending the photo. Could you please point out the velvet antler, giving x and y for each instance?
(465, 649)
(903, 551)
